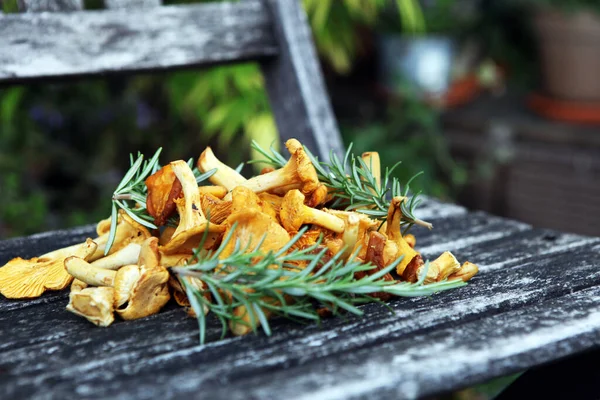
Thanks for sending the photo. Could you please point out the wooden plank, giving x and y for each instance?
(443, 360)
(38, 244)
(110, 41)
(295, 84)
(50, 5)
(131, 4)
(131, 348)
(133, 354)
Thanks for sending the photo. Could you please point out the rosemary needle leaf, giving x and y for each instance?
(113, 228)
(353, 186)
(264, 281)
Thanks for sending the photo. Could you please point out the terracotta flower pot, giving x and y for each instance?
(570, 54)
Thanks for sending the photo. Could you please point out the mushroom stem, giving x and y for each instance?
(324, 219)
(127, 255)
(297, 173)
(89, 274)
(294, 214)
(350, 235)
(371, 159)
(225, 175)
(269, 181)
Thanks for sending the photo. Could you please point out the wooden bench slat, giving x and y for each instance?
(299, 106)
(421, 365)
(109, 41)
(50, 5)
(40, 243)
(168, 341)
(519, 283)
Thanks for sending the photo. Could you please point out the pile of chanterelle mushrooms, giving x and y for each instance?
(267, 210)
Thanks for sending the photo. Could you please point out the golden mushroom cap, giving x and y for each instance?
(149, 295)
(94, 304)
(125, 280)
(20, 278)
(292, 210)
(304, 167)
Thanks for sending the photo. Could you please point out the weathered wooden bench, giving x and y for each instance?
(535, 300)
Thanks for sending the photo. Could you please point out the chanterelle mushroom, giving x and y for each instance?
(357, 226)
(127, 255)
(143, 289)
(151, 291)
(225, 175)
(294, 214)
(466, 272)
(21, 278)
(163, 189)
(440, 268)
(251, 226)
(94, 304)
(396, 246)
(192, 222)
(298, 173)
(128, 231)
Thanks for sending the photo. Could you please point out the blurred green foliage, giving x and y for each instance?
(63, 147)
(410, 132)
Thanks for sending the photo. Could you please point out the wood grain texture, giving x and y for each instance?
(295, 84)
(533, 301)
(49, 5)
(131, 4)
(110, 41)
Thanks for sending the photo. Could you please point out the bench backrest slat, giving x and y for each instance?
(131, 4)
(50, 5)
(63, 44)
(301, 107)
(57, 39)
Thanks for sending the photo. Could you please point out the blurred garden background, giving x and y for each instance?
(459, 89)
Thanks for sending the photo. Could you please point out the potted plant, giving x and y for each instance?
(428, 57)
(568, 34)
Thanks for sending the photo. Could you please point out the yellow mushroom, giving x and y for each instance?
(225, 175)
(192, 222)
(251, 227)
(298, 173)
(128, 231)
(243, 199)
(94, 304)
(440, 268)
(143, 290)
(372, 161)
(357, 226)
(396, 246)
(466, 272)
(21, 278)
(294, 214)
(215, 209)
(127, 255)
(217, 191)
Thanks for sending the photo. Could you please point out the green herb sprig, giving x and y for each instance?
(272, 282)
(354, 187)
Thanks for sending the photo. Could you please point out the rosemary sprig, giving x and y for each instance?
(130, 195)
(273, 283)
(354, 187)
